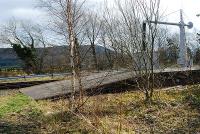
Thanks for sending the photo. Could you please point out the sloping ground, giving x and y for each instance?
(97, 80)
(64, 87)
(172, 112)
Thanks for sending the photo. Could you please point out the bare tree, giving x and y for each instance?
(104, 42)
(93, 28)
(67, 21)
(125, 33)
(25, 38)
(72, 45)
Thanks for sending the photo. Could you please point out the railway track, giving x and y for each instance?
(18, 85)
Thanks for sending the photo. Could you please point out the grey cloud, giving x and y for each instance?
(15, 8)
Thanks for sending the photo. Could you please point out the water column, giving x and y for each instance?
(182, 60)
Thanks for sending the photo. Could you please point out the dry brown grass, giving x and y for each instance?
(127, 113)
(120, 113)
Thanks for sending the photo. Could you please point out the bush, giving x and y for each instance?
(193, 100)
(192, 97)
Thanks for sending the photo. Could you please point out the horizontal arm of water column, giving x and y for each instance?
(167, 23)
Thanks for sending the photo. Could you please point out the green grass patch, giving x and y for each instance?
(14, 103)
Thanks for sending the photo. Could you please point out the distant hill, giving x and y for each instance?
(8, 58)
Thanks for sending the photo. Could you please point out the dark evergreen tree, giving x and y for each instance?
(28, 56)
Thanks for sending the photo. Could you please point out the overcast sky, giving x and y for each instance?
(19, 9)
(25, 9)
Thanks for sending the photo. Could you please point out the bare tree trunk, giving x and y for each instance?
(74, 57)
(78, 71)
(92, 31)
(72, 50)
(94, 55)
